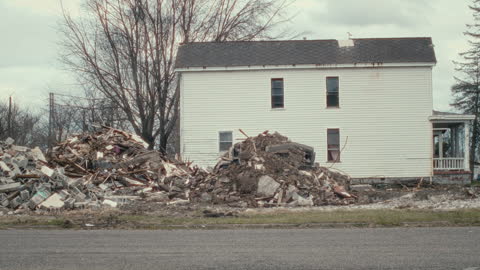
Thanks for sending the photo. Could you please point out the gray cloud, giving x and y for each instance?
(402, 13)
(27, 38)
(28, 51)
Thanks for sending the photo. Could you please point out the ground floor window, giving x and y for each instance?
(333, 145)
(225, 139)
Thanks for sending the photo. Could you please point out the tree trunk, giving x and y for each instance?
(473, 146)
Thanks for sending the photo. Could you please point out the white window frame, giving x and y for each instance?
(219, 141)
(338, 160)
(326, 92)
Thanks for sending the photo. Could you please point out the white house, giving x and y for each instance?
(371, 99)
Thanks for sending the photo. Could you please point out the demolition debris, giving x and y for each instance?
(110, 168)
(270, 170)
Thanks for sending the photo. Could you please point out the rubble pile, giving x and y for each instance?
(25, 178)
(270, 170)
(109, 167)
(120, 163)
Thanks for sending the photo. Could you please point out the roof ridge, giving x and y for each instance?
(297, 40)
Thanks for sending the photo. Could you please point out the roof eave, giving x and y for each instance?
(306, 66)
(459, 117)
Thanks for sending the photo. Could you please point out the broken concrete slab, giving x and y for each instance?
(53, 202)
(15, 202)
(267, 186)
(19, 148)
(110, 203)
(299, 200)
(38, 198)
(4, 167)
(10, 187)
(25, 195)
(47, 171)
(37, 154)
(69, 203)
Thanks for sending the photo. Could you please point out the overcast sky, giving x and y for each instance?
(29, 66)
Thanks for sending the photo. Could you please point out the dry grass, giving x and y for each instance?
(280, 218)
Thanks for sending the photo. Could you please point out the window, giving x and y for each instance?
(332, 92)
(277, 93)
(333, 145)
(225, 139)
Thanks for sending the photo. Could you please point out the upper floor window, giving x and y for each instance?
(277, 93)
(333, 145)
(225, 140)
(332, 92)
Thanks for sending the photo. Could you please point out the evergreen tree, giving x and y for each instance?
(466, 90)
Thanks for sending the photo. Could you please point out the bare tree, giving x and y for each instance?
(126, 49)
(18, 123)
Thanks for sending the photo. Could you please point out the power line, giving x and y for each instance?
(70, 96)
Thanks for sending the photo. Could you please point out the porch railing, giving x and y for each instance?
(448, 164)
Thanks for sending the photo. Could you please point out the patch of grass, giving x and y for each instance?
(12, 221)
(384, 218)
(275, 218)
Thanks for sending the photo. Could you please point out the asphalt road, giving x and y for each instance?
(396, 248)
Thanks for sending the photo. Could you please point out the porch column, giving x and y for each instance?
(440, 145)
(466, 128)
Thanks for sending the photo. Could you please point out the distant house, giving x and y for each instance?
(370, 97)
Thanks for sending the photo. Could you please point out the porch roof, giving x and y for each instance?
(438, 116)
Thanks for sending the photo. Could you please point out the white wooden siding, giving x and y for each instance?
(383, 111)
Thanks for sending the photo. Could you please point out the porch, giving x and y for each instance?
(451, 133)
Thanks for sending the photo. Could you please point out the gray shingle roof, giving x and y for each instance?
(298, 52)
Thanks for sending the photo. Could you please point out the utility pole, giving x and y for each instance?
(51, 120)
(9, 117)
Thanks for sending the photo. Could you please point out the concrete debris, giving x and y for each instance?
(267, 186)
(53, 202)
(110, 203)
(10, 187)
(270, 170)
(88, 170)
(113, 168)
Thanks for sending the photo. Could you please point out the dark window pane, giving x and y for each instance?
(277, 83)
(332, 84)
(333, 137)
(225, 140)
(277, 101)
(332, 100)
(277, 91)
(224, 146)
(226, 136)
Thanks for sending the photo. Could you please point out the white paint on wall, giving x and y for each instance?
(383, 111)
